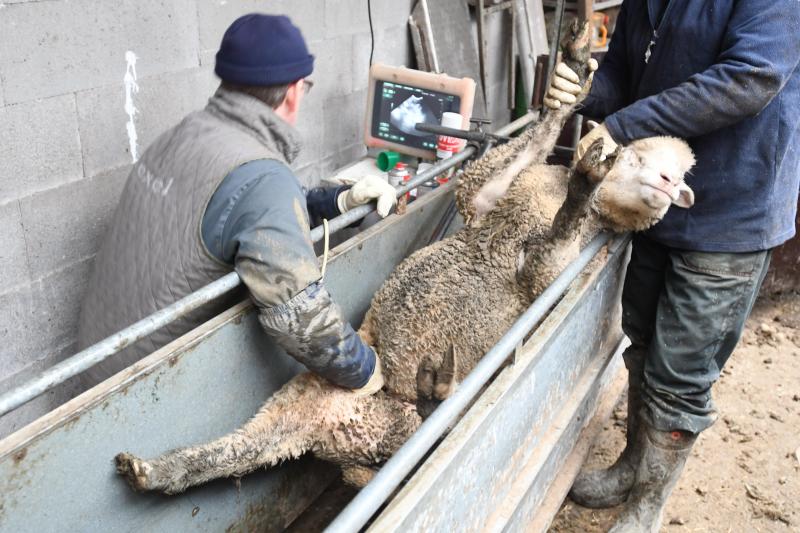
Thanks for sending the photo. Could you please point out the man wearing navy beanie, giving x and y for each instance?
(215, 193)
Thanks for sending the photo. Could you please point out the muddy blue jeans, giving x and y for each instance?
(684, 312)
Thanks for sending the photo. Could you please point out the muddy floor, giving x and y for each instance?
(744, 473)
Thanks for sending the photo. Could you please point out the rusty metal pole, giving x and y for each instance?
(554, 45)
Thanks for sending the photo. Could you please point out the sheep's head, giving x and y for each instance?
(644, 180)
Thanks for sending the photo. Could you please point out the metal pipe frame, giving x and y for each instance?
(389, 477)
(554, 46)
(104, 349)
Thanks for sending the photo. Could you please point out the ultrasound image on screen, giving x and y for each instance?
(407, 115)
(398, 108)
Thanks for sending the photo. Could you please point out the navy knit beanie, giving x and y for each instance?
(263, 50)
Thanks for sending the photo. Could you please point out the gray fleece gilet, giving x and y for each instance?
(153, 253)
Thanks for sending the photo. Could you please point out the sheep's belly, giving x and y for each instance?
(469, 314)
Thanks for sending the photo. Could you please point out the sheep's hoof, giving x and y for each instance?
(134, 470)
(594, 164)
(443, 391)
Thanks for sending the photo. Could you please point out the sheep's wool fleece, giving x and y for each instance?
(153, 254)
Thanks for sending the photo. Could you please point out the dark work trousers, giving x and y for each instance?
(684, 312)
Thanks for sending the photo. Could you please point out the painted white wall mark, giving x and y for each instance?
(130, 89)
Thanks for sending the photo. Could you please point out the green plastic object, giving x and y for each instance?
(387, 160)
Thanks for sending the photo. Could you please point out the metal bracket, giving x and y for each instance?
(481, 12)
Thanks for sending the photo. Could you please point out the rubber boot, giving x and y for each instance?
(609, 487)
(664, 454)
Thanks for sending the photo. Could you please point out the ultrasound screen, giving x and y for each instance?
(398, 108)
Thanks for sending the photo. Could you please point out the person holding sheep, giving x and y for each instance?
(215, 193)
(724, 75)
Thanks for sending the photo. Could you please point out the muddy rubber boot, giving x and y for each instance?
(609, 487)
(664, 455)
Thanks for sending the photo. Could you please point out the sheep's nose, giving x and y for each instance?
(666, 178)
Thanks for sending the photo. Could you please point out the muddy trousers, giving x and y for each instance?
(684, 312)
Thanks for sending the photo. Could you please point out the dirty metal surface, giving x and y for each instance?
(530, 502)
(57, 474)
(613, 382)
(494, 469)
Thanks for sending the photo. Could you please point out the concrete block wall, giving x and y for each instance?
(65, 152)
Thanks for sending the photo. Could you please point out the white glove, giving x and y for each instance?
(564, 87)
(375, 382)
(364, 191)
(599, 131)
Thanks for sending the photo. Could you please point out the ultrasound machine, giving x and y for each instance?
(398, 98)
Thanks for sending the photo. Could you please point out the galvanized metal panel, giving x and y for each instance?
(613, 382)
(526, 500)
(508, 447)
(57, 474)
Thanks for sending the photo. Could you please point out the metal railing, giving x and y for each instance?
(389, 477)
(96, 353)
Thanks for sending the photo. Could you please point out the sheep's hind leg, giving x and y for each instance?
(368, 330)
(364, 430)
(284, 428)
(307, 415)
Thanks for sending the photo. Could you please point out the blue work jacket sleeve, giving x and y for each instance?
(321, 203)
(760, 51)
(310, 327)
(263, 230)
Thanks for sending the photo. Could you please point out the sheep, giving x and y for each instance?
(447, 304)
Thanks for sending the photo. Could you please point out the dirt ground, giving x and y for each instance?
(744, 472)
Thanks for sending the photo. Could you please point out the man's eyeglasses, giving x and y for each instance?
(307, 85)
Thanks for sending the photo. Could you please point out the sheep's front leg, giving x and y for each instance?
(546, 255)
(584, 178)
(487, 179)
(437, 379)
(446, 377)
(593, 165)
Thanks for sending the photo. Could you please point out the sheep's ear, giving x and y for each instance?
(685, 197)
